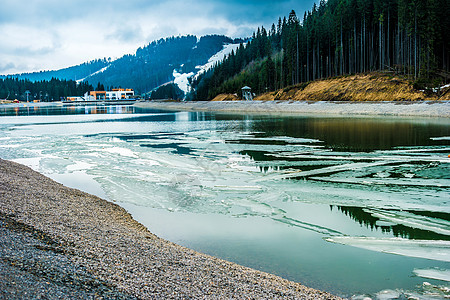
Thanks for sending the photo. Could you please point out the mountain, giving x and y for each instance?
(71, 73)
(154, 65)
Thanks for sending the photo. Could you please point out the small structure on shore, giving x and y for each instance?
(115, 94)
(247, 93)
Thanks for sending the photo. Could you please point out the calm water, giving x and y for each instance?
(353, 206)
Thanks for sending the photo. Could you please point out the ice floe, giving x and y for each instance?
(435, 250)
(412, 220)
(437, 274)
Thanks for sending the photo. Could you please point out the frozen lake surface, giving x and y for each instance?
(353, 206)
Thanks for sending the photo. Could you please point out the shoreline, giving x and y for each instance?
(434, 109)
(426, 109)
(61, 241)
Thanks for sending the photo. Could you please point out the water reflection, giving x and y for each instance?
(353, 134)
(27, 110)
(365, 218)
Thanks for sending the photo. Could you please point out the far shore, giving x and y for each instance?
(435, 109)
(432, 109)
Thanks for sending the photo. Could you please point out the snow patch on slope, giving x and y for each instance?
(181, 79)
(218, 57)
(97, 72)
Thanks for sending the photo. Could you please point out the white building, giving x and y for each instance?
(119, 94)
(115, 94)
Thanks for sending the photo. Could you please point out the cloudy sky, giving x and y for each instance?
(51, 34)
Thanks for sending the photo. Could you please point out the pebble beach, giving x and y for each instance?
(61, 243)
(435, 109)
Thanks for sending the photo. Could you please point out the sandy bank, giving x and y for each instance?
(373, 86)
(58, 241)
(405, 109)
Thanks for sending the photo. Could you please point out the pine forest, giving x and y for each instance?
(45, 90)
(339, 37)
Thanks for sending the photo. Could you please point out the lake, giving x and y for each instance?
(353, 206)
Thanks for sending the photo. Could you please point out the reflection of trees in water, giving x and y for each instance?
(366, 219)
(355, 134)
(258, 155)
(264, 156)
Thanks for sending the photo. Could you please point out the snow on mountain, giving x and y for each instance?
(218, 57)
(182, 79)
(97, 72)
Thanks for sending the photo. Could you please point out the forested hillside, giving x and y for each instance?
(167, 91)
(338, 37)
(44, 90)
(151, 66)
(71, 73)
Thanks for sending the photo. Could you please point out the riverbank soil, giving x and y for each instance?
(360, 87)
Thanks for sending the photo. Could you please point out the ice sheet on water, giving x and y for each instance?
(276, 140)
(121, 151)
(391, 155)
(437, 274)
(222, 176)
(438, 183)
(434, 250)
(79, 165)
(412, 220)
(215, 164)
(307, 226)
(426, 292)
(32, 162)
(388, 294)
(384, 223)
(441, 138)
(364, 196)
(239, 188)
(292, 140)
(327, 170)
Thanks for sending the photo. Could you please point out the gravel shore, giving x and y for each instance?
(57, 242)
(340, 108)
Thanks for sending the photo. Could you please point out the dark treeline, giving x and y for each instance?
(167, 91)
(337, 37)
(52, 90)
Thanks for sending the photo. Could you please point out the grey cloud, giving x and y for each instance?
(37, 47)
(5, 67)
(162, 31)
(126, 33)
(44, 13)
(260, 11)
(26, 51)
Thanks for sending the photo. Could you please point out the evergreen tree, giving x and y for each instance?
(338, 37)
(53, 90)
